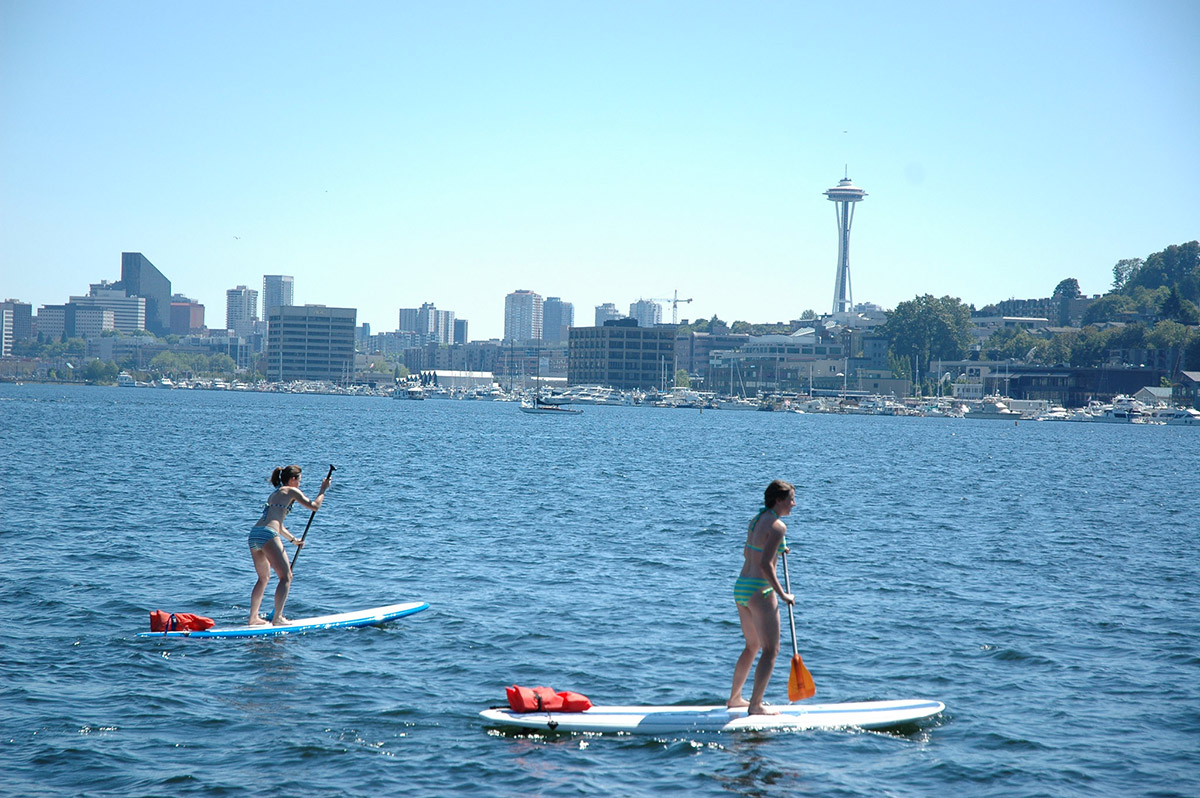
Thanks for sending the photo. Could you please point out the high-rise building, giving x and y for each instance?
(460, 331)
(311, 342)
(607, 312)
(73, 321)
(139, 277)
(6, 331)
(22, 318)
(241, 309)
(522, 316)
(646, 312)
(844, 195)
(557, 318)
(187, 316)
(129, 312)
(277, 292)
(437, 326)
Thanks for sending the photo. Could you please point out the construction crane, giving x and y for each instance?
(674, 306)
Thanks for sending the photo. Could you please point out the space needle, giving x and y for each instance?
(845, 194)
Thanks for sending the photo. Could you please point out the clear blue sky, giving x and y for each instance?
(392, 153)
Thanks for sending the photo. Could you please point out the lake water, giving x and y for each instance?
(1040, 579)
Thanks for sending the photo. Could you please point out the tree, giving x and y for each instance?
(1011, 344)
(1124, 271)
(682, 380)
(1107, 308)
(1176, 308)
(927, 328)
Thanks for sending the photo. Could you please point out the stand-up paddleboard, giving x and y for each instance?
(371, 617)
(672, 720)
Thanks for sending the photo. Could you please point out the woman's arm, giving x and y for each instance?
(766, 560)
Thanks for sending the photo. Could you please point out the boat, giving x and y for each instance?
(1123, 410)
(408, 392)
(539, 406)
(126, 380)
(992, 408)
(1176, 416)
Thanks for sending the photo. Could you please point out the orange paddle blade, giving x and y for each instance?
(800, 682)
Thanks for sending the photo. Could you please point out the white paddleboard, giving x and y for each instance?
(375, 615)
(672, 720)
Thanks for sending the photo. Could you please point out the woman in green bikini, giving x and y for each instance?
(756, 593)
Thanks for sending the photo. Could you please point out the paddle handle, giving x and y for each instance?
(787, 586)
(314, 515)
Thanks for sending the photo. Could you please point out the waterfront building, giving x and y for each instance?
(522, 316)
(692, 351)
(187, 316)
(139, 277)
(277, 292)
(844, 195)
(129, 312)
(521, 364)
(558, 317)
(241, 309)
(606, 313)
(622, 355)
(311, 342)
(809, 357)
(22, 318)
(646, 312)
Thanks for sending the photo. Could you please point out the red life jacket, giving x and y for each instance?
(544, 699)
(164, 622)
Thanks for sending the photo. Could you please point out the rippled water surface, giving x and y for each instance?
(1040, 579)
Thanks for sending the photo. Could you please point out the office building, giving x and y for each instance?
(241, 309)
(646, 312)
(22, 318)
(557, 318)
(73, 321)
(606, 313)
(6, 331)
(622, 355)
(139, 277)
(311, 342)
(460, 331)
(522, 316)
(187, 316)
(277, 292)
(129, 312)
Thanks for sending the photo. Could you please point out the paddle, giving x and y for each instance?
(314, 515)
(800, 681)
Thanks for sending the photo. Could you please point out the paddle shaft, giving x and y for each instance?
(314, 515)
(787, 585)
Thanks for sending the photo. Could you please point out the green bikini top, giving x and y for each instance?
(754, 520)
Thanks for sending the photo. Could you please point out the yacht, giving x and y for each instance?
(1176, 416)
(125, 380)
(1123, 410)
(992, 407)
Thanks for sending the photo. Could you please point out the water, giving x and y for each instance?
(1040, 579)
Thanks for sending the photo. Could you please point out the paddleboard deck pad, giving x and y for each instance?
(672, 720)
(370, 617)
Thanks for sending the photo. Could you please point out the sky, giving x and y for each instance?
(388, 154)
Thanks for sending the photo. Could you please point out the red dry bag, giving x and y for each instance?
(164, 622)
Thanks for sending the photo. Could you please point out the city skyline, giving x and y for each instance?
(390, 155)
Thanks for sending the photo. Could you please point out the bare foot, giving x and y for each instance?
(280, 621)
(735, 703)
(761, 710)
(257, 621)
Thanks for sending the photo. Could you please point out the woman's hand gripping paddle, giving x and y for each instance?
(800, 681)
(314, 515)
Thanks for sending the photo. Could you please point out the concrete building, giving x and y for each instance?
(522, 316)
(558, 317)
(277, 292)
(74, 321)
(129, 312)
(139, 277)
(646, 312)
(22, 318)
(311, 342)
(692, 351)
(437, 326)
(241, 309)
(187, 316)
(606, 313)
(6, 331)
(622, 355)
